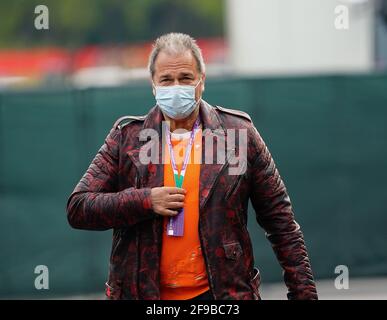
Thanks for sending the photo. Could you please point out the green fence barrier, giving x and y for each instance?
(326, 134)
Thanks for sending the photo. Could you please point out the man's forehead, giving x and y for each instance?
(181, 63)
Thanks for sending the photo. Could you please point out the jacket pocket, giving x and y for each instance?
(255, 283)
(113, 291)
(232, 250)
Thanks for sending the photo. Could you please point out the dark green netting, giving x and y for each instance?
(327, 135)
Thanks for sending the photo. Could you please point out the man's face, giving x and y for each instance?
(179, 69)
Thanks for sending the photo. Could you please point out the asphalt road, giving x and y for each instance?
(359, 289)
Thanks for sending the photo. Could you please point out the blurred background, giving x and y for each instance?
(311, 73)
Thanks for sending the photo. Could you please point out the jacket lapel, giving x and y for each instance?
(151, 174)
(209, 172)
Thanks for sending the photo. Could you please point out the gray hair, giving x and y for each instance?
(175, 43)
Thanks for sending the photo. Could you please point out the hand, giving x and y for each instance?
(167, 201)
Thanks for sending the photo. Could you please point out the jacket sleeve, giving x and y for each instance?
(275, 215)
(96, 204)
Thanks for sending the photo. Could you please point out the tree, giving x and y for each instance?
(75, 23)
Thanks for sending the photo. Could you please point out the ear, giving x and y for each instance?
(203, 81)
(153, 87)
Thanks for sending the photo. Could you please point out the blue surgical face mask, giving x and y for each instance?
(177, 102)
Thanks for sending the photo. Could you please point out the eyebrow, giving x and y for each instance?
(185, 74)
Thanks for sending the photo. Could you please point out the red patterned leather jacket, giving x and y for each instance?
(114, 193)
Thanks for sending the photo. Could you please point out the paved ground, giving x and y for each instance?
(359, 289)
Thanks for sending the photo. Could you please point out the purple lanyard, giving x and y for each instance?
(176, 223)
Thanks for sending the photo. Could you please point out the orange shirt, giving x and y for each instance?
(182, 268)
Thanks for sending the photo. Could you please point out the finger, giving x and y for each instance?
(175, 205)
(168, 212)
(175, 190)
(175, 198)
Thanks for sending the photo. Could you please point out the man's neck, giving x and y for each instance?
(186, 123)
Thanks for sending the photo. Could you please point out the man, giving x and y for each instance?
(179, 224)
